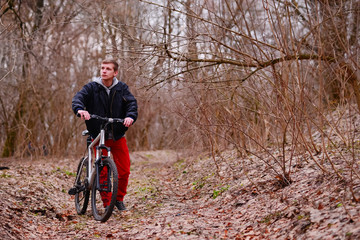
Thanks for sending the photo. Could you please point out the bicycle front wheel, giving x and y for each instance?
(104, 190)
(83, 194)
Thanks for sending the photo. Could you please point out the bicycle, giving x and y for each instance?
(98, 176)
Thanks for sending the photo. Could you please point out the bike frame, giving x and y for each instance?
(100, 138)
(97, 162)
(91, 169)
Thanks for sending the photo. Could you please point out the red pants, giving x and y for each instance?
(121, 157)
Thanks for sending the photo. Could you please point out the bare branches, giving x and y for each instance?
(259, 64)
(263, 79)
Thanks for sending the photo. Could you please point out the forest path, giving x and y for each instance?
(168, 198)
(34, 203)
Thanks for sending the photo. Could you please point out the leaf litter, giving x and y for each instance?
(173, 197)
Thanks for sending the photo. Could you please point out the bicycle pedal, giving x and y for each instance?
(73, 191)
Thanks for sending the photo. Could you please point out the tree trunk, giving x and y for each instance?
(24, 101)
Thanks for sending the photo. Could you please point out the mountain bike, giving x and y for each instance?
(98, 176)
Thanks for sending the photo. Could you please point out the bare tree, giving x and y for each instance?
(261, 67)
(232, 74)
(46, 62)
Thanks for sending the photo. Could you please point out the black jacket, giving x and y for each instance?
(120, 103)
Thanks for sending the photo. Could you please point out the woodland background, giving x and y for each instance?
(244, 75)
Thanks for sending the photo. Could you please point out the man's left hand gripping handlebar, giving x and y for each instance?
(128, 121)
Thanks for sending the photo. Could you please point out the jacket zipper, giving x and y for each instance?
(111, 112)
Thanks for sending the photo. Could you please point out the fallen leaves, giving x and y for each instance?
(177, 200)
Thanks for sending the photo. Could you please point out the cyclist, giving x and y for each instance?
(106, 96)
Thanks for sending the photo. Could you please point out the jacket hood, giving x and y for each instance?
(99, 81)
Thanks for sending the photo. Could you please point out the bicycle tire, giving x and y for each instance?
(100, 212)
(82, 196)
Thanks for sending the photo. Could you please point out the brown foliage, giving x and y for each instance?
(208, 75)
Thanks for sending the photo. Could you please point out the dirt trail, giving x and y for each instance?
(173, 198)
(34, 202)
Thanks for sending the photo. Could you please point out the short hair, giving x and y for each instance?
(114, 62)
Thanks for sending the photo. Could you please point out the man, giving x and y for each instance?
(106, 96)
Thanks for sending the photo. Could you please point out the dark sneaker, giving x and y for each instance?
(120, 205)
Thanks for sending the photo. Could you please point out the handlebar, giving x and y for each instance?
(106, 119)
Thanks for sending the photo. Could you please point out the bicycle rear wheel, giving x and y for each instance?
(104, 190)
(83, 194)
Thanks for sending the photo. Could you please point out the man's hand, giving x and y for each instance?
(84, 114)
(128, 121)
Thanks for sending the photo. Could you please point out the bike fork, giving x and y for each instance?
(105, 186)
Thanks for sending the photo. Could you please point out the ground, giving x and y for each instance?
(175, 197)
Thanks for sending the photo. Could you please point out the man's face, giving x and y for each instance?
(107, 71)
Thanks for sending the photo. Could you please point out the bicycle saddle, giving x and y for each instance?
(85, 132)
